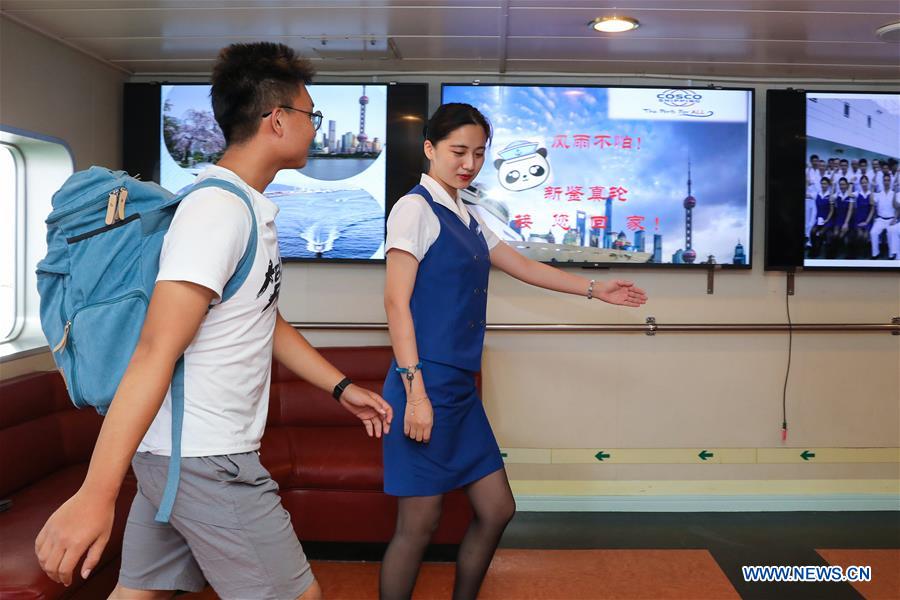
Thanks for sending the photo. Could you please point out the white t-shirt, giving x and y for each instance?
(879, 182)
(812, 191)
(884, 204)
(836, 180)
(228, 364)
(812, 176)
(412, 225)
(817, 180)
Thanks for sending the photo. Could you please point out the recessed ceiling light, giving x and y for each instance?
(614, 24)
(889, 32)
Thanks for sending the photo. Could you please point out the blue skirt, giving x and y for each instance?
(462, 449)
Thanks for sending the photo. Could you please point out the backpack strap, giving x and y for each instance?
(241, 271)
(174, 472)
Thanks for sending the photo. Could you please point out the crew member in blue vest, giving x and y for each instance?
(862, 218)
(439, 255)
(844, 209)
(821, 232)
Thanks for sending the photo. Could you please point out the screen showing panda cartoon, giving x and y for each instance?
(597, 175)
(522, 166)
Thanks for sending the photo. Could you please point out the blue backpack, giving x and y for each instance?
(104, 237)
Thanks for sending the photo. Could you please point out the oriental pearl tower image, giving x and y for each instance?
(362, 138)
(689, 203)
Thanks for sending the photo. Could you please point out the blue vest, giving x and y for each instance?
(822, 206)
(863, 206)
(841, 208)
(449, 300)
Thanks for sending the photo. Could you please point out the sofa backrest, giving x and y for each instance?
(294, 402)
(40, 430)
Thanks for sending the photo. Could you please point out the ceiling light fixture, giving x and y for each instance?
(614, 24)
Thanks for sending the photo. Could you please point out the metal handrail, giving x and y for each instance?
(651, 327)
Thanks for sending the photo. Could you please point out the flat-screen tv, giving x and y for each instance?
(604, 176)
(832, 189)
(368, 150)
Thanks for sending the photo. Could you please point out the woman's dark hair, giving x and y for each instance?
(844, 179)
(452, 116)
(250, 79)
(866, 177)
(824, 179)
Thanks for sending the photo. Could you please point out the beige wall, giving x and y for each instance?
(698, 391)
(552, 391)
(50, 90)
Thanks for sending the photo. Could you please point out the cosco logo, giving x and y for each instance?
(679, 98)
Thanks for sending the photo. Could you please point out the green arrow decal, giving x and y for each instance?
(704, 455)
(806, 455)
(601, 455)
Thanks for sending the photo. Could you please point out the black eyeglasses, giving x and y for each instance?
(314, 117)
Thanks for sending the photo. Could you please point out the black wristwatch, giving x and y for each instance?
(340, 387)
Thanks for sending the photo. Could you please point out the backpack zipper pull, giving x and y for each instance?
(65, 338)
(122, 196)
(111, 205)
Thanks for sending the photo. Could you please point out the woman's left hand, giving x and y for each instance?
(621, 292)
(370, 408)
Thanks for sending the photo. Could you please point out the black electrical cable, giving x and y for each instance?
(787, 372)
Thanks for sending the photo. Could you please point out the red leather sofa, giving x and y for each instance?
(328, 469)
(45, 446)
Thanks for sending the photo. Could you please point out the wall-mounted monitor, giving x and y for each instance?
(606, 176)
(833, 189)
(367, 150)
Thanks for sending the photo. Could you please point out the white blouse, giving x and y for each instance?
(413, 227)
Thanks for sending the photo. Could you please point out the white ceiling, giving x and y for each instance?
(722, 38)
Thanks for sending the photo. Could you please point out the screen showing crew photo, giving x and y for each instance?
(852, 185)
(616, 175)
(333, 208)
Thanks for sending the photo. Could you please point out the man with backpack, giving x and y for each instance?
(227, 526)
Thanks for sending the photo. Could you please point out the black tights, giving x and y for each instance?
(418, 517)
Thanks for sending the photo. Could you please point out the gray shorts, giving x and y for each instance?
(227, 528)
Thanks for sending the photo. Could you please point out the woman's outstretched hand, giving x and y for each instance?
(621, 292)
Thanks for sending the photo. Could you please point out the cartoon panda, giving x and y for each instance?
(522, 166)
